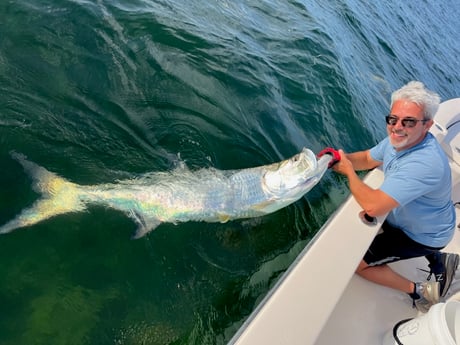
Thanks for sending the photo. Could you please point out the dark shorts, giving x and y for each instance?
(392, 244)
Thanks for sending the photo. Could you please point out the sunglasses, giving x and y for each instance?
(406, 121)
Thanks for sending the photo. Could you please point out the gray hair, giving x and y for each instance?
(416, 92)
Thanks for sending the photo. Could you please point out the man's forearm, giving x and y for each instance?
(373, 201)
(362, 160)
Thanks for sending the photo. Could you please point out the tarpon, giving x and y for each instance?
(180, 195)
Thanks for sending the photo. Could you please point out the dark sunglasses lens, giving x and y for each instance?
(391, 120)
(408, 122)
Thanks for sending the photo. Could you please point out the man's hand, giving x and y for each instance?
(344, 166)
(333, 153)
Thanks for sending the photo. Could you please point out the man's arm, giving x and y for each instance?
(361, 160)
(373, 201)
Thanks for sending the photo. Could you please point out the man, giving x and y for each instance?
(416, 194)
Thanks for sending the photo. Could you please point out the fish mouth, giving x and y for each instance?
(292, 174)
(308, 163)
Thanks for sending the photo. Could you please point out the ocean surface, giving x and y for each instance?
(101, 90)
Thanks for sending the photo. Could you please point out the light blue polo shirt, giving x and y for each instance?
(419, 179)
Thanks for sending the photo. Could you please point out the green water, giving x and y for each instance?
(100, 90)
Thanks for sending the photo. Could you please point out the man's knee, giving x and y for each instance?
(361, 267)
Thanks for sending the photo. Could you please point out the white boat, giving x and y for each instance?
(319, 299)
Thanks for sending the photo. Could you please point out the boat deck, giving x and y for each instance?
(371, 310)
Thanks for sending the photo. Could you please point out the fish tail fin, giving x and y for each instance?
(59, 196)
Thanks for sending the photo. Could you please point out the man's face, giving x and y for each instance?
(403, 137)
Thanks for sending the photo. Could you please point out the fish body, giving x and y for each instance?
(181, 195)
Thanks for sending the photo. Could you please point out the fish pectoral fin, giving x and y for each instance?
(261, 207)
(144, 225)
(223, 217)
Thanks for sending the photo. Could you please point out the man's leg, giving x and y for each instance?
(384, 275)
(424, 295)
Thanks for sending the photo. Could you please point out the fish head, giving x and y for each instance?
(292, 178)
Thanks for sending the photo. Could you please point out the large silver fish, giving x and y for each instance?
(181, 195)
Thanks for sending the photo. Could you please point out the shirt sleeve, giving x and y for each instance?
(378, 151)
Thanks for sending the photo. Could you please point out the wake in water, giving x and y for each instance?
(181, 195)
